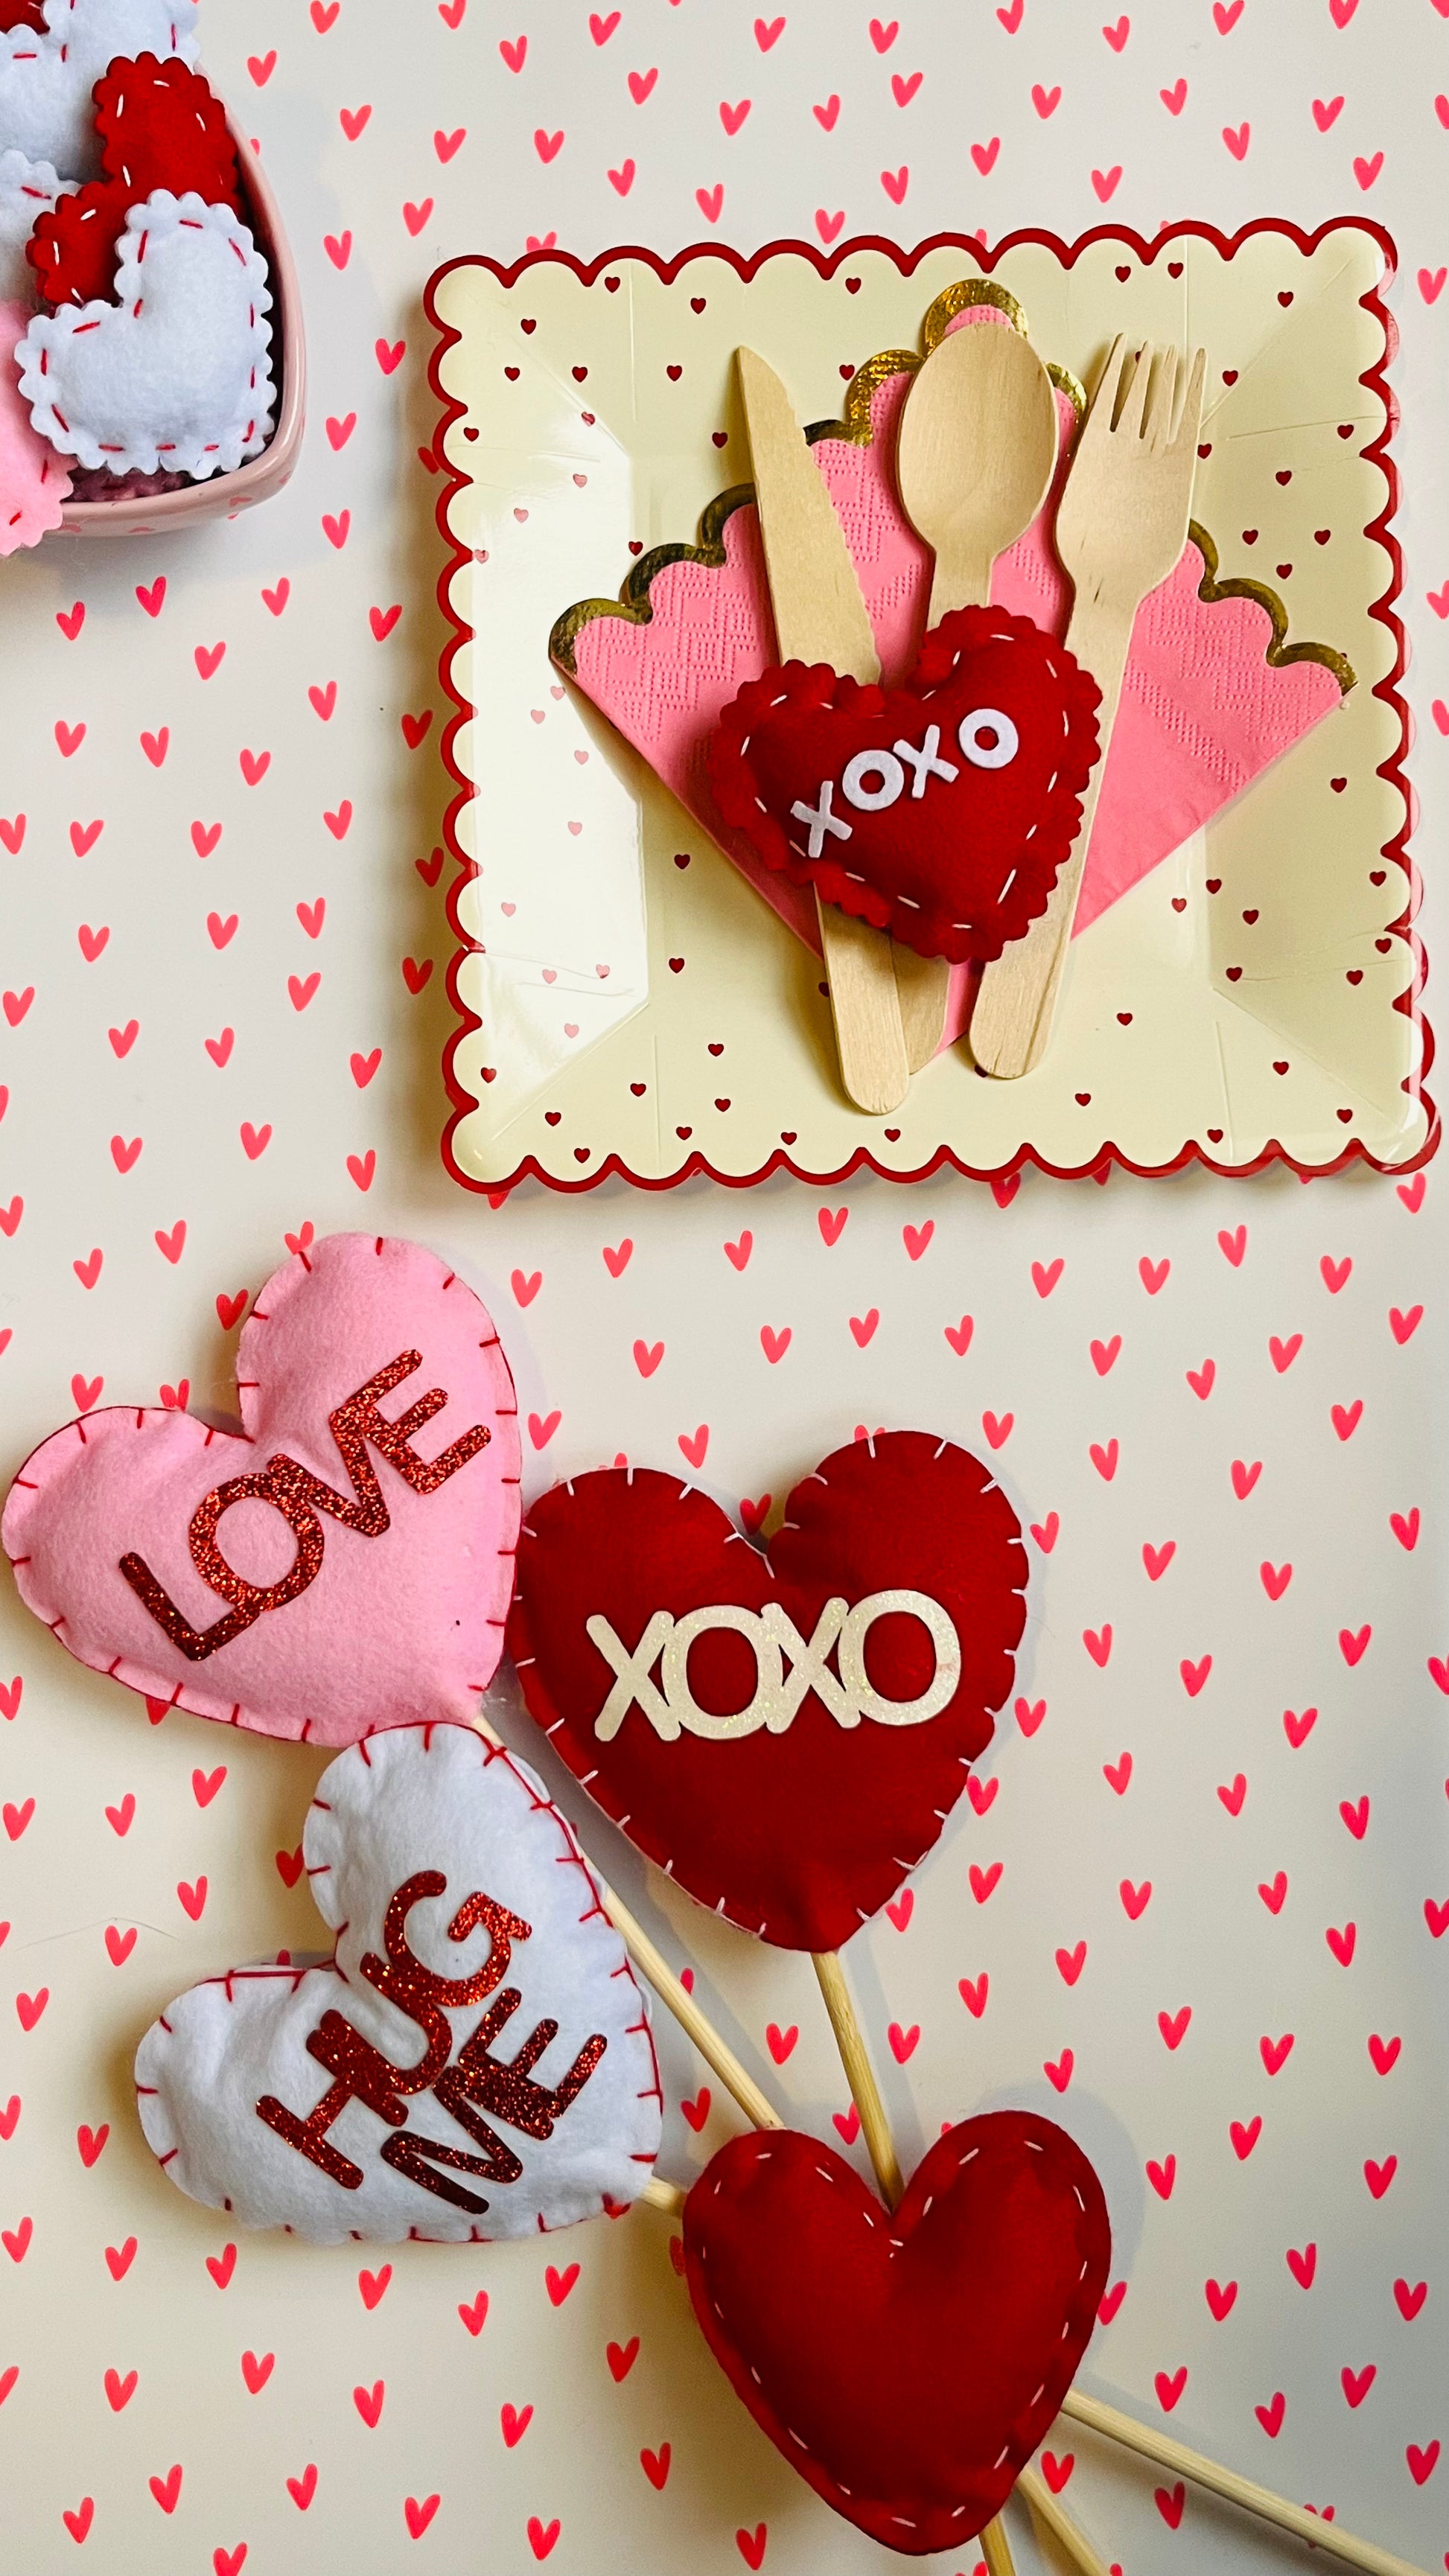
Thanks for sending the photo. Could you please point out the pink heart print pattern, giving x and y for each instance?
(345, 1561)
(491, 2062)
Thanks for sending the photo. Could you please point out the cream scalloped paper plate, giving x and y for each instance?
(629, 1004)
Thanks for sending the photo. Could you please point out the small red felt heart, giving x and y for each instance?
(160, 126)
(906, 2366)
(940, 811)
(900, 1562)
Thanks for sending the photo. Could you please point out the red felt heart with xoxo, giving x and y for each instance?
(786, 1731)
(941, 811)
(908, 2365)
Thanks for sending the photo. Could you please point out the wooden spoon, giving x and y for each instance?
(974, 460)
(976, 455)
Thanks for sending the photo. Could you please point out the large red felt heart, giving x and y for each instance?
(907, 2366)
(900, 1562)
(940, 811)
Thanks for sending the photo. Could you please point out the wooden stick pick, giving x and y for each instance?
(1175, 2456)
(860, 2075)
(820, 616)
(713, 2048)
(664, 2195)
(875, 2128)
(996, 2550)
(1047, 2510)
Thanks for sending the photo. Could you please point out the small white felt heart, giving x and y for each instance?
(475, 2061)
(46, 81)
(177, 372)
(28, 190)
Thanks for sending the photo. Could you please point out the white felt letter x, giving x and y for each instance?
(820, 818)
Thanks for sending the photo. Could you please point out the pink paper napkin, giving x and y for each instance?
(1203, 712)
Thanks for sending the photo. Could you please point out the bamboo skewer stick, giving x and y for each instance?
(1055, 2519)
(664, 2195)
(995, 2549)
(875, 2128)
(713, 2048)
(1175, 2456)
(860, 2076)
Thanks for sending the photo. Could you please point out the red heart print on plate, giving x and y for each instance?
(908, 2365)
(343, 1562)
(784, 1731)
(941, 811)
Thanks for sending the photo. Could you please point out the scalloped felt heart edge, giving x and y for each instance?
(175, 372)
(990, 810)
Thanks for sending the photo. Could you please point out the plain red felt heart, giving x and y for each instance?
(940, 811)
(802, 1828)
(908, 2365)
(160, 127)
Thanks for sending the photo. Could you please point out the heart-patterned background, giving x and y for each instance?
(1219, 1407)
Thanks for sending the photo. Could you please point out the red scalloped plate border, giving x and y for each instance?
(1381, 530)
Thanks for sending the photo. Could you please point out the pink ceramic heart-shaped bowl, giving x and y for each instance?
(155, 514)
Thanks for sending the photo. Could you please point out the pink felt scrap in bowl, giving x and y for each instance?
(1203, 711)
(34, 481)
(345, 1561)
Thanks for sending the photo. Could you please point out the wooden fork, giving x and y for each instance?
(1120, 531)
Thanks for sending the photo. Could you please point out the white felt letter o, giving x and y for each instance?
(880, 764)
(994, 755)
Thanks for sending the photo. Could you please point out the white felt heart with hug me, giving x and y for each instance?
(176, 374)
(474, 2060)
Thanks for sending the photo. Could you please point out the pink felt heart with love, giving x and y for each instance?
(345, 1561)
